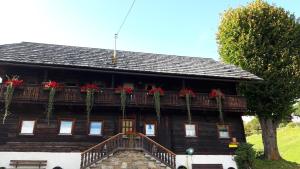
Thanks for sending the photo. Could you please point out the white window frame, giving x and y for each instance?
(101, 128)
(221, 136)
(154, 128)
(60, 127)
(187, 132)
(23, 130)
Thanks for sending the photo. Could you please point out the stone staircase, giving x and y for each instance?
(128, 151)
(129, 159)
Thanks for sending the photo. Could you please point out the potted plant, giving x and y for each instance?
(217, 95)
(10, 84)
(156, 93)
(124, 92)
(51, 86)
(188, 94)
(89, 90)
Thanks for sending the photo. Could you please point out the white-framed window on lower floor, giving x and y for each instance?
(223, 131)
(150, 129)
(66, 127)
(190, 130)
(27, 127)
(96, 128)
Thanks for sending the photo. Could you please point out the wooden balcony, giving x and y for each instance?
(107, 97)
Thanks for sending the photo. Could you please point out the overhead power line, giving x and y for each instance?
(119, 30)
(124, 20)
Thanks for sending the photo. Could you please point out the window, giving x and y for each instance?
(66, 127)
(96, 128)
(223, 131)
(0, 79)
(150, 129)
(27, 126)
(190, 130)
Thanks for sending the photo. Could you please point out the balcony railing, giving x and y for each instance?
(108, 97)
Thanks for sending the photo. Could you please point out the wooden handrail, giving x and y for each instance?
(112, 89)
(157, 144)
(102, 143)
(72, 95)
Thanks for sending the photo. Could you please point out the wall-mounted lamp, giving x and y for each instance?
(189, 151)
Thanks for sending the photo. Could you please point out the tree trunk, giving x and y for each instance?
(269, 137)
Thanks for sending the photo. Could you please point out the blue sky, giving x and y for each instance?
(182, 27)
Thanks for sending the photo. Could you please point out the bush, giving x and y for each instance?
(245, 156)
(292, 125)
(259, 154)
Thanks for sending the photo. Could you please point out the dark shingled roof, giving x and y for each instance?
(101, 59)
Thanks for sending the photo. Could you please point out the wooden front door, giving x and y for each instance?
(127, 125)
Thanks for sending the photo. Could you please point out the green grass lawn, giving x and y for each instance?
(265, 164)
(289, 147)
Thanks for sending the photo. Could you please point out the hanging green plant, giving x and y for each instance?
(156, 93)
(188, 94)
(90, 90)
(218, 96)
(11, 84)
(51, 86)
(124, 92)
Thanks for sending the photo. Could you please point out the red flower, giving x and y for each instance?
(51, 84)
(216, 93)
(87, 87)
(14, 82)
(185, 91)
(130, 132)
(155, 90)
(127, 90)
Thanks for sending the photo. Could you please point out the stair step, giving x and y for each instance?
(129, 160)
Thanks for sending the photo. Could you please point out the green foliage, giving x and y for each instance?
(265, 40)
(89, 102)
(252, 127)
(123, 97)
(7, 101)
(188, 107)
(297, 109)
(288, 142)
(293, 125)
(49, 110)
(219, 104)
(156, 97)
(245, 156)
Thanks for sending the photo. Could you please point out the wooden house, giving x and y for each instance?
(71, 139)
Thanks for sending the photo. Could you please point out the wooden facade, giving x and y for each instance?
(30, 100)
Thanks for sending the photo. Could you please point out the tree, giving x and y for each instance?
(297, 109)
(252, 127)
(264, 40)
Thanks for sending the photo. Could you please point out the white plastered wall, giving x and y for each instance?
(64, 160)
(72, 160)
(187, 160)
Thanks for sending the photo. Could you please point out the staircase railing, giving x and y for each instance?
(158, 151)
(100, 151)
(132, 141)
